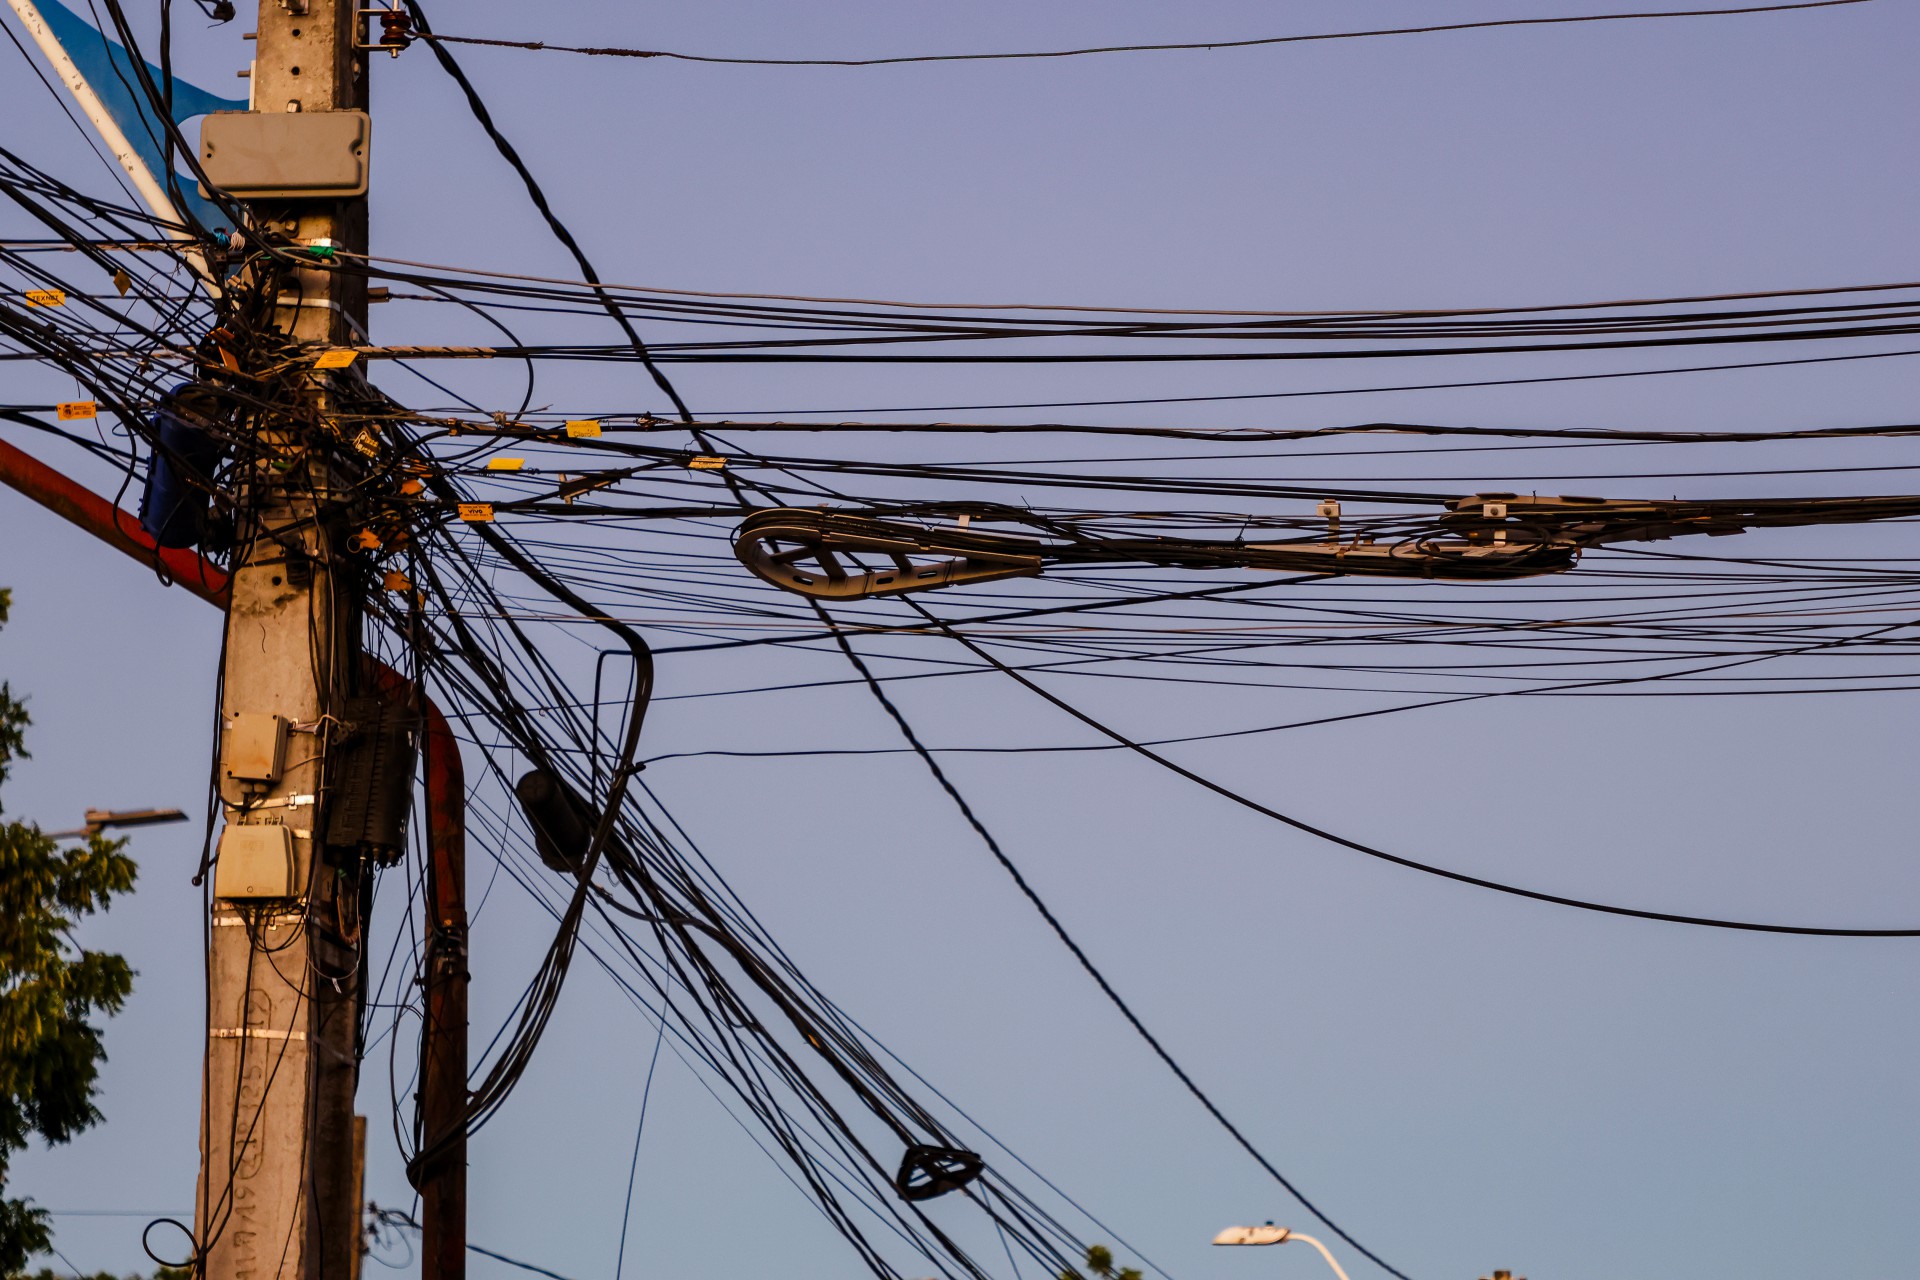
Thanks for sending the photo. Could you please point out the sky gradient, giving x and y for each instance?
(1463, 1081)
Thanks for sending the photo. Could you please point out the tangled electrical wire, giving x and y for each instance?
(479, 535)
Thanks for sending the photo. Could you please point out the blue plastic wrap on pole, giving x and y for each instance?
(172, 510)
(108, 68)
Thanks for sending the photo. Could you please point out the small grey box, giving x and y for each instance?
(292, 154)
(255, 749)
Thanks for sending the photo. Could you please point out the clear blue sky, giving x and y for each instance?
(1466, 1082)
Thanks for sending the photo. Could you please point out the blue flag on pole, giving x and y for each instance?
(109, 71)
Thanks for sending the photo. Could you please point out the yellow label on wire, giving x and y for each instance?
(335, 359)
(46, 297)
(475, 512)
(366, 540)
(122, 281)
(396, 581)
(411, 487)
(73, 410)
(505, 464)
(578, 427)
(707, 462)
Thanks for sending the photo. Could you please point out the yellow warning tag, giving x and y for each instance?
(73, 410)
(583, 427)
(396, 581)
(122, 281)
(476, 512)
(335, 359)
(505, 464)
(46, 297)
(707, 462)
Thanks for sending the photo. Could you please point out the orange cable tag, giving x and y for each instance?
(396, 581)
(476, 512)
(505, 464)
(46, 297)
(74, 410)
(578, 427)
(707, 462)
(338, 359)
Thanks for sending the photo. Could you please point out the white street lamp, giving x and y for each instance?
(99, 820)
(1271, 1234)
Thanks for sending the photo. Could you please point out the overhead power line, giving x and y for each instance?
(499, 538)
(538, 196)
(607, 52)
(1086, 962)
(1358, 847)
(399, 1218)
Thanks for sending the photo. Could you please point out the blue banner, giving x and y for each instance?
(110, 72)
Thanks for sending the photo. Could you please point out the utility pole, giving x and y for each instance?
(276, 1198)
(443, 1055)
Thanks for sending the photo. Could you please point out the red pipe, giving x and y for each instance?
(442, 1179)
(116, 528)
(443, 1044)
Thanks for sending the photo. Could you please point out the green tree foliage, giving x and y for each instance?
(50, 987)
(1100, 1263)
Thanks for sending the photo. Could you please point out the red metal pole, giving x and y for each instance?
(116, 528)
(443, 1045)
(442, 1179)
(443, 1035)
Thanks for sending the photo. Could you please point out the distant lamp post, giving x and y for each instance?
(99, 820)
(1271, 1234)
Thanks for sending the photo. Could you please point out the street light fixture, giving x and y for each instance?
(1270, 1234)
(99, 820)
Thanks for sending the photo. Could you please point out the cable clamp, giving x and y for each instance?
(253, 1033)
(286, 802)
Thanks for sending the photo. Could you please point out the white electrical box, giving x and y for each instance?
(255, 862)
(254, 747)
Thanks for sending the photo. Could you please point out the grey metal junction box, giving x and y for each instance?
(291, 154)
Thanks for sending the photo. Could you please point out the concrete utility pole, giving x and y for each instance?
(277, 1198)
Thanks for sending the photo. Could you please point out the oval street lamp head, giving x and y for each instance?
(99, 820)
(102, 819)
(1271, 1234)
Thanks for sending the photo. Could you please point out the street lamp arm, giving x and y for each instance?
(1271, 1234)
(1323, 1252)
